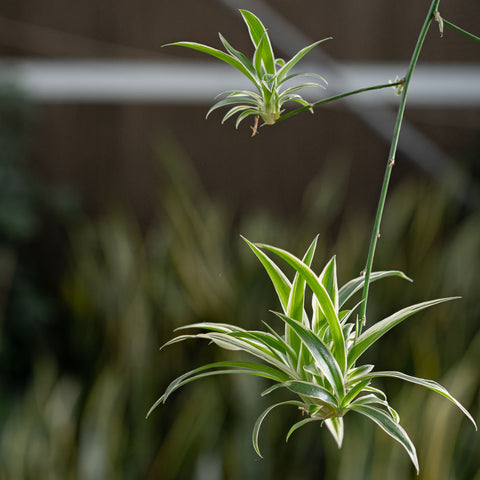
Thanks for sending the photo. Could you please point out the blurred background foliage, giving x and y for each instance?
(86, 302)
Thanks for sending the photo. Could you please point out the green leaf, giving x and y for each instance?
(371, 398)
(244, 100)
(259, 36)
(312, 390)
(264, 341)
(239, 55)
(335, 426)
(280, 281)
(346, 314)
(357, 373)
(294, 75)
(319, 323)
(385, 422)
(261, 418)
(430, 384)
(247, 93)
(178, 339)
(215, 327)
(321, 354)
(301, 423)
(214, 52)
(295, 308)
(296, 99)
(353, 392)
(324, 301)
(231, 343)
(356, 284)
(288, 348)
(249, 368)
(286, 93)
(296, 58)
(244, 115)
(370, 336)
(235, 110)
(328, 277)
(263, 58)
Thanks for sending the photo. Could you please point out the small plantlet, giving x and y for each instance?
(269, 76)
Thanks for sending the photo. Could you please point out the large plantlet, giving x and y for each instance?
(315, 356)
(268, 74)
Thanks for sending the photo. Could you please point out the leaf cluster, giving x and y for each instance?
(268, 74)
(315, 355)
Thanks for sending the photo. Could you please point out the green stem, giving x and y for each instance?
(337, 97)
(391, 160)
(461, 30)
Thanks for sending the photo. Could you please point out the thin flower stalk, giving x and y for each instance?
(391, 160)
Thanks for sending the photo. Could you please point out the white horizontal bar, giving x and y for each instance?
(194, 82)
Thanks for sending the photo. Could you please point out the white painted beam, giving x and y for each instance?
(198, 82)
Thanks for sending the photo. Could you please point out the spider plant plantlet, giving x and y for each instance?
(269, 76)
(315, 355)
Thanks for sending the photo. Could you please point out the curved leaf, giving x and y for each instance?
(280, 281)
(430, 384)
(328, 277)
(288, 348)
(290, 90)
(385, 422)
(335, 426)
(261, 418)
(294, 75)
(214, 52)
(296, 300)
(297, 292)
(371, 398)
(370, 336)
(301, 423)
(246, 114)
(264, 339)
(353, 392)
(296, 58)
(324, 301)
(263, 60)
(321, 354)
(249, 368)
(233, 111)
(356, 284)
(259, 36)
(312, 390)
(236, 100)
(237, 54)
(230, 342)
(215, 327)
